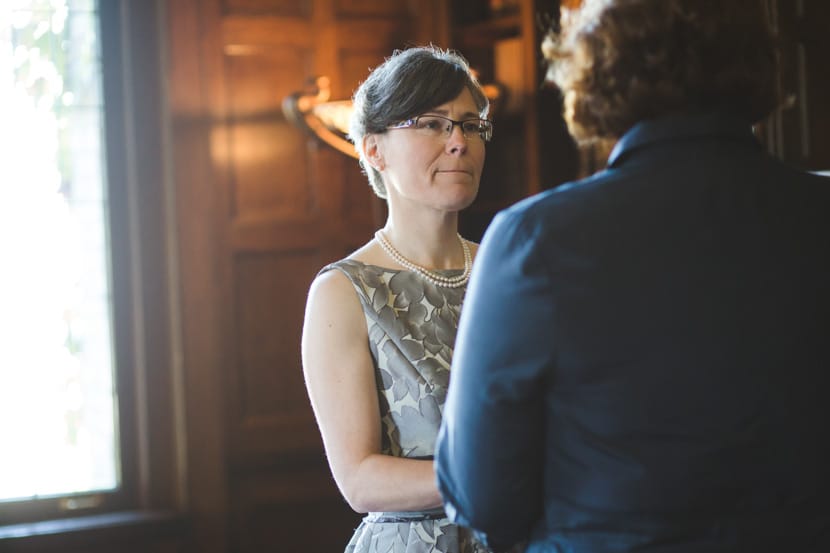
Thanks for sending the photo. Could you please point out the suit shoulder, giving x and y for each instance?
(564, 203)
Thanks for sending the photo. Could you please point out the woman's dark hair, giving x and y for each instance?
(618, 62)
(408, 83)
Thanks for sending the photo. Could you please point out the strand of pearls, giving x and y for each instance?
(431, 276)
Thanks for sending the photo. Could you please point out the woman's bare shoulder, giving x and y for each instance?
(331, 287)
(370, 253)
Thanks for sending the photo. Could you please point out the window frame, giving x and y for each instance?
(147, 377)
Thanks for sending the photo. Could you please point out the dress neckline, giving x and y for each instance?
(391, 270)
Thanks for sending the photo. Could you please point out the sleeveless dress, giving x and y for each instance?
(412, 325)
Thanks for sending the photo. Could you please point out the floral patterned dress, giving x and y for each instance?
(412, 325)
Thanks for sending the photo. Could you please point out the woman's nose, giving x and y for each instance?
(457, 140)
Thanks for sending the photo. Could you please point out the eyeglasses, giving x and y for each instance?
(438, 126)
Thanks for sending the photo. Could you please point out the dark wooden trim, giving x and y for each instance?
(107, 532)
(194, 57)
(132, 53)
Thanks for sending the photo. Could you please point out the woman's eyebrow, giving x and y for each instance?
(445, 113)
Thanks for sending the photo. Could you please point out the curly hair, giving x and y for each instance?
(407, 84)
(618, 62)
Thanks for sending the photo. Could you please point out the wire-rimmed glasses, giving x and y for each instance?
(438, 126)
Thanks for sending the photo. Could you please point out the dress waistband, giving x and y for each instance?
(405, 516)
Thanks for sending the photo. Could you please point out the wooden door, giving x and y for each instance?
(261, 208)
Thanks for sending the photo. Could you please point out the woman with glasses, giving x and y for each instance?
(380, 324)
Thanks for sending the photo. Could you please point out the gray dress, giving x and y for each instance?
(412, 325)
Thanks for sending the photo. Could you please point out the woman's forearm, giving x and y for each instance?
(386, 483)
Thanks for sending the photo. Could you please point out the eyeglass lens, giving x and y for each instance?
(439, 125)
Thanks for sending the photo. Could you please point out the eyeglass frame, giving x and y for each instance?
(412, 121)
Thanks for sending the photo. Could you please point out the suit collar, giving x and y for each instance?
(681, 127)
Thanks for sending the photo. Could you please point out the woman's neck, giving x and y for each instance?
(432, 244)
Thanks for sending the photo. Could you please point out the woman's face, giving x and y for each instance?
(438, 172)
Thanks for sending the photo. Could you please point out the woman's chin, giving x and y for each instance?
(462, 201)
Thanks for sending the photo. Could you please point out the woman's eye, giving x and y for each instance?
(431, 124)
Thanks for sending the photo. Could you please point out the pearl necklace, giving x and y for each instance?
(431, 276)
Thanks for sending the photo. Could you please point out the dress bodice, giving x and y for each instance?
(411, 325)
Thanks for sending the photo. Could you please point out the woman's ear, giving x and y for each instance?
(372, 152)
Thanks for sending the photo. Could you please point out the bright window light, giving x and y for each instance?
(57, 396)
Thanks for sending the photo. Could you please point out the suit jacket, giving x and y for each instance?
(643, 358)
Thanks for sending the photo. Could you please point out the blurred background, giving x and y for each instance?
(172, 176)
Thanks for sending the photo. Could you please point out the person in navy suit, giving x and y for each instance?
(643, 360)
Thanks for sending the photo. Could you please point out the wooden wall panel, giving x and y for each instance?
(309, 515)
(290, 8)
(265, 183)
(356, 64)
(370, 8)
(380, 36)
(268, 301)
(250, 34)
(360, 206)
(269, 408)
(358, 199)
(268, 159)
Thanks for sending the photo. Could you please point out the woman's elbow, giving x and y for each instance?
(359, 498)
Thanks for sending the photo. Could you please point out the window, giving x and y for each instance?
(57, 398)
(87, 401)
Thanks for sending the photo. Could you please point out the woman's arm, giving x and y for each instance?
(340, 378)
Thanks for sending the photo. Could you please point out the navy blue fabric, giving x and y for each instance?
(643, 358)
